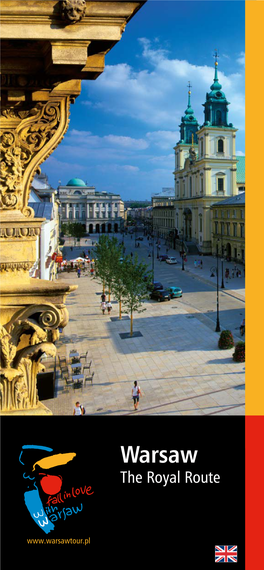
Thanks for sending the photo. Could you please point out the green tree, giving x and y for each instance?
(77, 230)
(101, 260)
(135, 286)
(74, 229)
(108, 253)
(118, 285)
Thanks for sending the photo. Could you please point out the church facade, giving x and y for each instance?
(205, 167)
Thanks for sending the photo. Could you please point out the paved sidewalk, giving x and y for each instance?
(176, 361)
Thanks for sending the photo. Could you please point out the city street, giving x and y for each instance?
(176, 361)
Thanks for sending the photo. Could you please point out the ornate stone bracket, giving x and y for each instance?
(28, 136)
(30, 333)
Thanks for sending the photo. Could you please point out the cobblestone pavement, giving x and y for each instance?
(176, 361)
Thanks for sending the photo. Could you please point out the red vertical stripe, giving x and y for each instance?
(254, 491)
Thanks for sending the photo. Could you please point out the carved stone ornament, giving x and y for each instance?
(27, 138)
(73, 10)
(192, 155)
(23, 341)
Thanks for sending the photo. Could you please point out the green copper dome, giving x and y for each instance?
(189, 124)
(76, 182)
(216, 104)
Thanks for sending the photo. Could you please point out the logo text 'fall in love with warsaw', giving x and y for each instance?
(46, 498)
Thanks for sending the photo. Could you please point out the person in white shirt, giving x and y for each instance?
(136, 392)
(77, 410)
(109, 306)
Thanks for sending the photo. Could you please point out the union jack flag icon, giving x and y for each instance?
(225, 553)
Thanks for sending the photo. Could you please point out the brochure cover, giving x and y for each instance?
(165, 466)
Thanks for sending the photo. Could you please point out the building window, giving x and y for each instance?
(77, 214)
(220, 145)
(234, 214)
(202, 149)
(190, 186)
(216, 213)
(228, 213)
(83, 215)
(220, 185)
(242, 214)
(228, 229)
(222, 213)
(222, 229)
(70, 215)
(200, 223)
(216, 227)
(235, 229)
(242, 230)
(202, 185)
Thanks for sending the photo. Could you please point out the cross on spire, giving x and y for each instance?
(189, 86)
(216, 56)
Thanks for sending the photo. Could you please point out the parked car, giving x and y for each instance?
(155, 285)
(171, 260)
(163, 257)
(160, 295)
(175, 292)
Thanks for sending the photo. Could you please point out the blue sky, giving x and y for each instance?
(125, 124)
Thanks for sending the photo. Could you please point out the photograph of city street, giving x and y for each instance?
(123, 209)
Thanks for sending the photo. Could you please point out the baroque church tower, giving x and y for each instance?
(205, 166)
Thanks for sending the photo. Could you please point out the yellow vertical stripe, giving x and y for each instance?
(254, 208)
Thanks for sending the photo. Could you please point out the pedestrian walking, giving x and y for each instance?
(109, 306)
(233, 273)
(79, 272)
(103, 307)
(103, 297)
(78, 409)
(201, 264)
(136, 392)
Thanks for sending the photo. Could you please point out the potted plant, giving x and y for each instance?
(239, 354)
(226, 340)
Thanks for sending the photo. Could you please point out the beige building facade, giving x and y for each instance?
(228, 228)
(163, 213)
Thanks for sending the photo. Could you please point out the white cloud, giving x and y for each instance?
(241, 58)
(162, 139)
(157, 94)
(87, 139)
(126, 142)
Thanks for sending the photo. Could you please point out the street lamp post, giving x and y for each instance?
(182, 250)
(222, 262)
(217, 328)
